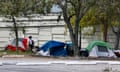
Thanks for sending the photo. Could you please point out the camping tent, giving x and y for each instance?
(53, 48)
(99, 49)
(22, 44)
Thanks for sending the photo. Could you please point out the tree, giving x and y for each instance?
(16, 8)
(77, 8)
(106, 9)
(117, 22)
(10, 8)
(117, 34)
(106, 13)
(101, 14)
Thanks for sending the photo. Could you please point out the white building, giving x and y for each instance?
(43, 28)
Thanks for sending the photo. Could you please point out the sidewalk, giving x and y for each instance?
(30, 60)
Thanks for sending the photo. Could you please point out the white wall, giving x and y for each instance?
(41, 28)
(44, 28)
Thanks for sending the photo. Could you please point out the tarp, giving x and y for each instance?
(22, 44)
(55, 48)
(100, 49)
(69, 48)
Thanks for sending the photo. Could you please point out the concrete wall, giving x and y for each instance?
(44, 28)
(97, 35)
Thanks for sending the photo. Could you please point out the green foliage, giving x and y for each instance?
(22, 7)
(8, 52)
(72, 21)
(89, 19)
(97, 15)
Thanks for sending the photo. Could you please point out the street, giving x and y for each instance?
(45, 64)
(59, 68)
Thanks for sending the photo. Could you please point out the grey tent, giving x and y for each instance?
(100, 49)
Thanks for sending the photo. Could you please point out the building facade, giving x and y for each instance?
(44, 28)
(41, 28)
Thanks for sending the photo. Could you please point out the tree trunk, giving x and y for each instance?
(76, 48)
(105, 32)
(16, 32)
(117, 34)
(117, 42)
(80, 35)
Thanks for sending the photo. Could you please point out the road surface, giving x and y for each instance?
(59, 68)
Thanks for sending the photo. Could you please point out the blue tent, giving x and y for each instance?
(56, 48)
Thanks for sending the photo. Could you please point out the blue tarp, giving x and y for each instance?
(56, 48)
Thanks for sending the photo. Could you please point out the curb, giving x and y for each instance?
(71, 63)
(9, 63)
(33, 63)
(80, 63)
(108, 62)
(62, 62)
(13, 56)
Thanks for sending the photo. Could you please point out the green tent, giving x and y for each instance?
(99, 49)
(100, 43)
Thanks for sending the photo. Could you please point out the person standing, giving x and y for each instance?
(31, 43)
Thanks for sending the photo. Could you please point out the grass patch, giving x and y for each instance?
(2, 52)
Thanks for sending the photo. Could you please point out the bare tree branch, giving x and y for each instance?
(71, 16)
(72, 3)
(113, 29)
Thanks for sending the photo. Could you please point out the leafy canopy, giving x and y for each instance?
(23, 7)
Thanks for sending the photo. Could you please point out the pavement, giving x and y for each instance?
(39, 60)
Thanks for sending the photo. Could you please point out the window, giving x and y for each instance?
(102, 49)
